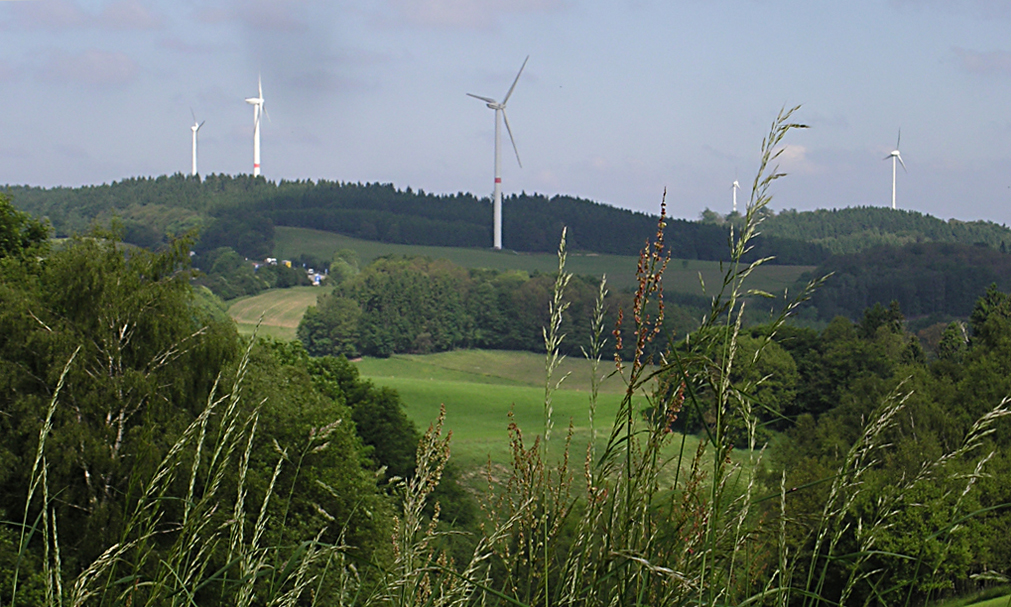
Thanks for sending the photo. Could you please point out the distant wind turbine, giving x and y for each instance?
(195, 128)
(257, 103)
(895, 156)
(735, 186)
(500, 110)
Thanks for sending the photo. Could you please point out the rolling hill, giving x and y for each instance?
(243, 212)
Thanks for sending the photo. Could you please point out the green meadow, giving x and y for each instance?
(681, 276)
(277, 311)
(480, 388)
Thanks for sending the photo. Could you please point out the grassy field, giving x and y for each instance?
(494, 367)
(282, 310)
(682, 275)
(992, 597)
(480, 387)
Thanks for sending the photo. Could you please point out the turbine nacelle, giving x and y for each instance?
(897, 156)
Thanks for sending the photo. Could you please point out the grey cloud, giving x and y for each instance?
(292, 43)
(262, 15)
(67, 14)
(128, 15)
(984, 63)
(182, 46)
(93, 67)
(467, 14)
(48, 14)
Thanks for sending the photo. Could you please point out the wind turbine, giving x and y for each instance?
(499, 108)
(895, 156)
(257, 103)
(195, 128)
(735, 186)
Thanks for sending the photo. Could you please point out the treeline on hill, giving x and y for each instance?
(417, 305)
(930, 280)
(241, 212)
(110, 372)
(850, 230)
(855, 229)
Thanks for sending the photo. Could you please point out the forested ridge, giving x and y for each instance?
(855, 229)
(931, 279)
(241, 211)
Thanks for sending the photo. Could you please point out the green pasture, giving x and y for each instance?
(993, 597)
(1001, 601)
(480, 388)
(682, 275)
(281, 311)
(496, 367)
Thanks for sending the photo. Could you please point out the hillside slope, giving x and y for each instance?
(856, 229)
(242, 212)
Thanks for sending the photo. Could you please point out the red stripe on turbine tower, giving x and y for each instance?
(498, 180)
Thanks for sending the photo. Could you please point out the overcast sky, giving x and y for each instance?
(620, 99)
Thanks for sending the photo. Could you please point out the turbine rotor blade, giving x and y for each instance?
(902, 163)
(898, 139)
(504, 101)
(485, 99)
(510, 131)
(259, 84)
(194, 116)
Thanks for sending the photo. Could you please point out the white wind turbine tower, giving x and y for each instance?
(735, 186)
(499, 108)
(895, 156)
(257, 103)
(195, 128)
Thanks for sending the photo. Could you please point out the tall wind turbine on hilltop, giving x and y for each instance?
(195, 128)
(499, 108)
(257, 103)
(895, 156)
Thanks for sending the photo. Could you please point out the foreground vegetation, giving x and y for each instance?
(151, 456)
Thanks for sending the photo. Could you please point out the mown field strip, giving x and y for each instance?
(682, 275)
(281, 309)
(493, 367)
